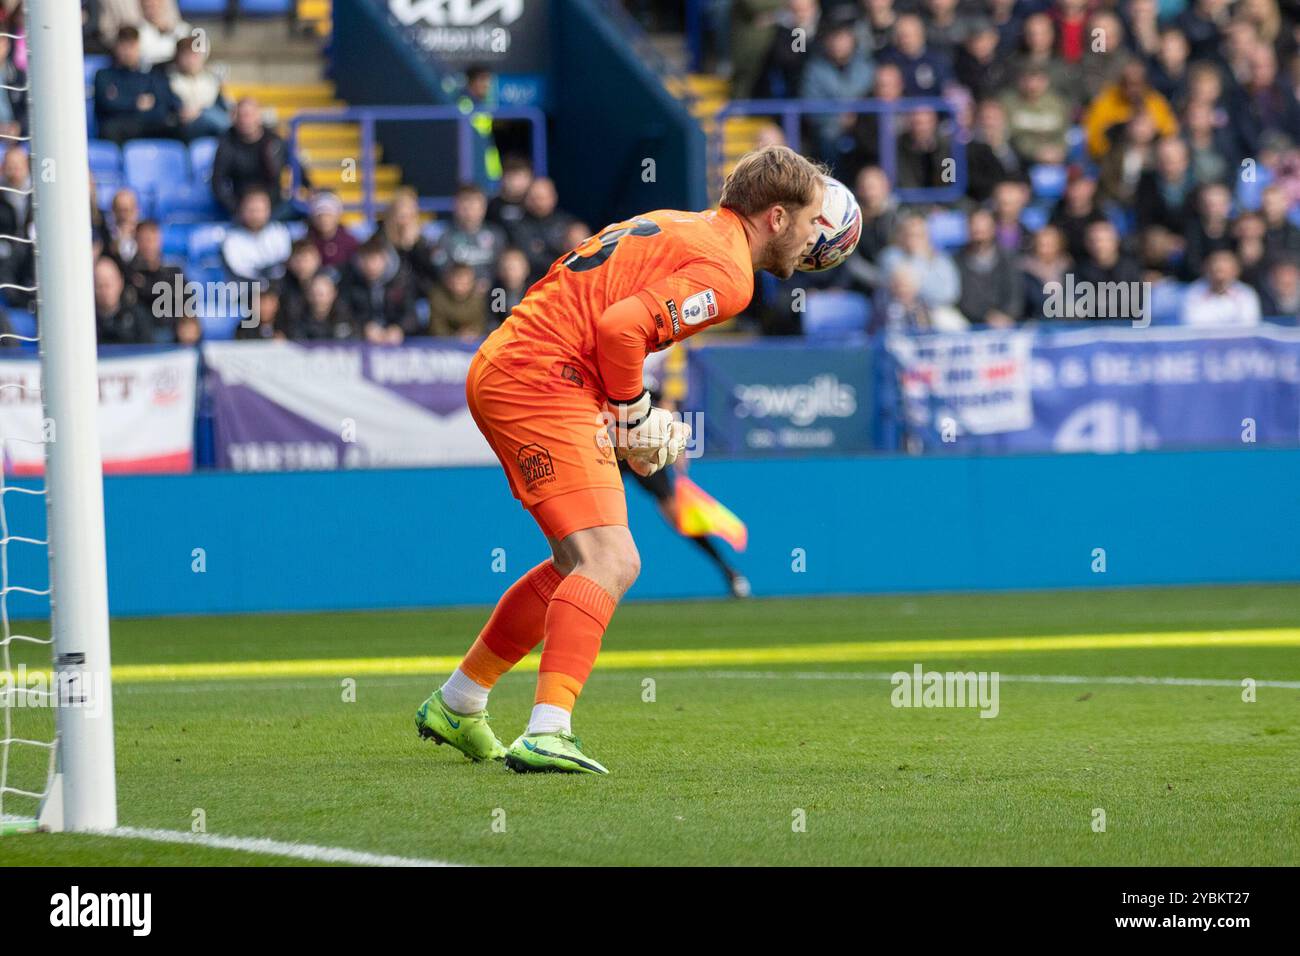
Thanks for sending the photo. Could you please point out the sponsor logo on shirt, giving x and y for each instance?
(672, 317)
(699, 308)
(535, 464)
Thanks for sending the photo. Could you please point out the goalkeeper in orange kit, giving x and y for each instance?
(545, 388)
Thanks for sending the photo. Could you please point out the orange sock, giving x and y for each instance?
(576, 620)
(516, 626)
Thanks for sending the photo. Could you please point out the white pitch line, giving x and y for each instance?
(1019, 678)
(267, 847)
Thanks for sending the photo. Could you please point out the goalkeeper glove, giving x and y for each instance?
(649, 437)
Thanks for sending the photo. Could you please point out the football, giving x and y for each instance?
(839, 228)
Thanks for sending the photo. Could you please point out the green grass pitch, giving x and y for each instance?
(728, 758)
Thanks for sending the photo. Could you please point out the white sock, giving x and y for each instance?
(463, 694)
(549, 719)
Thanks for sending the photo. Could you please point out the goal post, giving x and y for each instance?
(84, 796)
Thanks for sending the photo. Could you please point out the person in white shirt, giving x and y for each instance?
(160, 29)
(1219, 299)
(257, 249)
(203, 110)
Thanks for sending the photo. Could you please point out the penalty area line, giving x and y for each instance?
(267, 847)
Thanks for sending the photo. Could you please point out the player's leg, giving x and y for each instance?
(601, 563)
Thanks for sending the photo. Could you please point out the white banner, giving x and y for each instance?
(146, 413)
(980, 383)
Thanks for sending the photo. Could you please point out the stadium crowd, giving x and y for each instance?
(1148, 141)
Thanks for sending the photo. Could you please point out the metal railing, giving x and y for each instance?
(368, 116)
(792, 111)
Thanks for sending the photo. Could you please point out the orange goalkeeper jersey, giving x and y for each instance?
(636, 287)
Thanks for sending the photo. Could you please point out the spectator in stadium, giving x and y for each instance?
(401, 232)
(1281, 296)
(469, 239)
(1201, 22)
(838, 71)
(326, 316)
(1248, 232)
(888, 89)
(1133, 155)
(1263, 102)
(925, 72)
(1037, 117)
(380, 295)
(456, 307)
(129, 102)
(1071, 19)
(1169, 70)
(510, 284)
(267, 326)
(938, 281)
(990, 158)
(161, 29)
(13, 99)
(1282, 237)
(875, 26)
(992, 290)
(753, 25)
(1104, 260)
(1165, 194)
(1102, 59)
(112, 15)
(899, 307)
(879, 226)
(1212, 150)
(1142, 27)
(256, 248)
(118, 320)
(978, 64)
(923, 151)
(541, 232)
(1010, 197)
(121, 245)
(1219, 298)
(946, 26)
(303, 265)
(1117, 104)
(325, 229)
(477, 101)
(507, 207)
(1047, 262)
(250, 155)
(202, 109)
(150, 280)
(15, 200)
(1210, 229)
(98, 224)
(1039, 51)
(783, 67)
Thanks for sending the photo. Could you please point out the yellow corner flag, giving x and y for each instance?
(699, 514)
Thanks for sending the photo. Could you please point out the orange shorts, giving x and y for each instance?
(555, 451)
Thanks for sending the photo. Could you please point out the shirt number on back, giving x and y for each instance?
(597, 249)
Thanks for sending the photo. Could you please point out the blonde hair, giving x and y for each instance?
(773, 175)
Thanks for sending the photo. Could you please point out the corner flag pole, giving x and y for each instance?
(70, 385)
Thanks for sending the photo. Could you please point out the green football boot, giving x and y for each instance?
(550, 753)
(468, 733)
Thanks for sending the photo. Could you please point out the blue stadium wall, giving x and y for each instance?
(863, 525)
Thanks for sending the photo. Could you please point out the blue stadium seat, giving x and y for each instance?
(93, 64)
(1035, 217)
(202, 152)
(176, 239)
(265, 8)
(947, 228)
(1294, 215)
(1122, 218)
(1250, 191)
(835, 313)
(105, 161)
(205, 242)
(22, 322)
(150, 163)
(203, 8)
(1076, 145)
(186, 202)
(1047, 180)
(1167, 302)
(92, 126)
